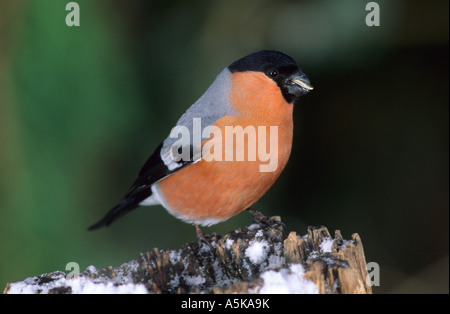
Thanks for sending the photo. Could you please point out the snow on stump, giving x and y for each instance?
(257, 259)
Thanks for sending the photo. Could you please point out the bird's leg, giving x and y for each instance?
(258, 217)
(201, 237)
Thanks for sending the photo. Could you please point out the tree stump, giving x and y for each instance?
(257, 259)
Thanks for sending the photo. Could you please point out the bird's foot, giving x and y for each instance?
(259, 218)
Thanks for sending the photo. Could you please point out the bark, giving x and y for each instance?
(261, 258)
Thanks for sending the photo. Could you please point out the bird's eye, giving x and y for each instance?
(272, 73)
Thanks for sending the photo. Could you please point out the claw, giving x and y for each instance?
(201, 238)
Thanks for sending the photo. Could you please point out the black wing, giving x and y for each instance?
(153, 170)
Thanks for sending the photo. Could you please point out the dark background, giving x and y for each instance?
(81, 109)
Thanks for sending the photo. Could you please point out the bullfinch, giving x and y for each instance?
(196, 173)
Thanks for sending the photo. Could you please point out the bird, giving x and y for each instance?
(196, 179)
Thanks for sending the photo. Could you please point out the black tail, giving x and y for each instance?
(130, 202)
(113, 215)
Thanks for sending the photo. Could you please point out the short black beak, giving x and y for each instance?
(298, 84)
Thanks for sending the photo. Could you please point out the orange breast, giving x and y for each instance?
(211, 191)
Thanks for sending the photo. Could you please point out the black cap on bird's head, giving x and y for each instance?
(279, 67)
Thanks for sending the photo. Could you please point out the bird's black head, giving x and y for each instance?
(279, 67)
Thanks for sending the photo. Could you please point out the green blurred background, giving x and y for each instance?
(81, 109)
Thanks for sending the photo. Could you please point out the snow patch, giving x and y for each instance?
(253, 227)
(286, 281)
(276, 259)
(78, 285)
(194, 280)
(326, 245)
(228, 243)
(257, 251)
